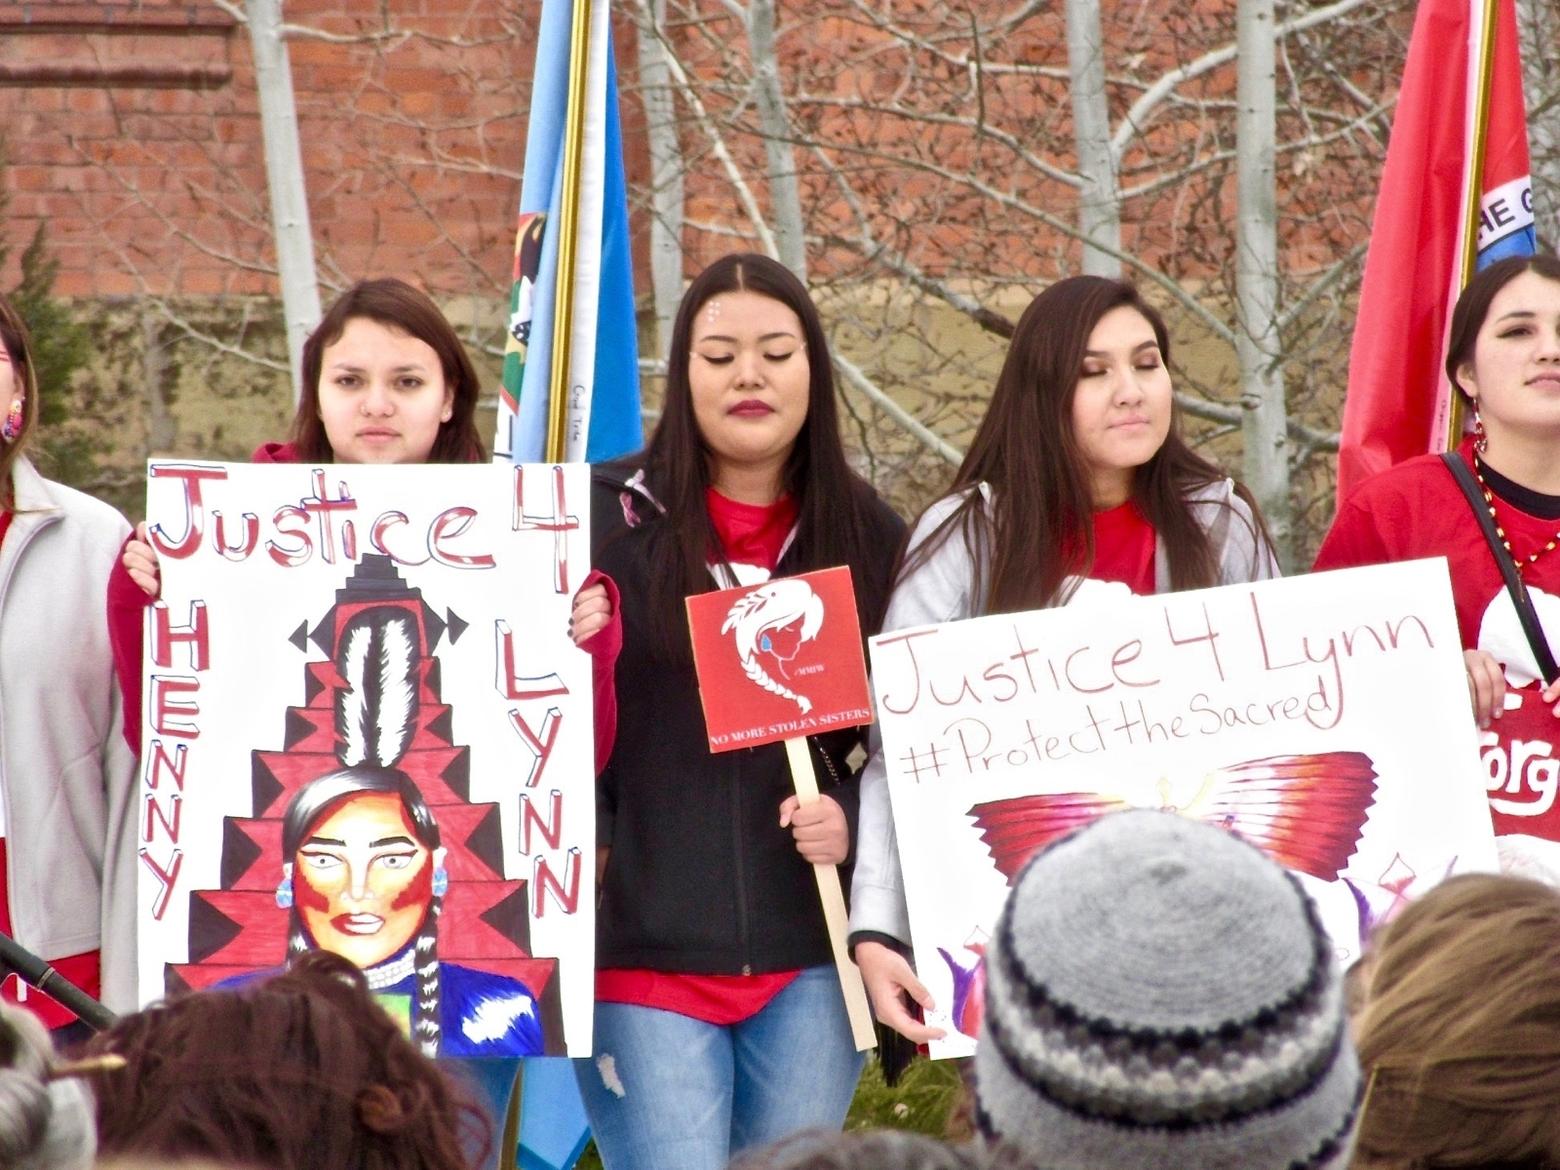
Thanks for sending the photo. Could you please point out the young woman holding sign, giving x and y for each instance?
(720, 1022)
(67, 777)
(1503, 356)
(385, 380)
(1078, 481)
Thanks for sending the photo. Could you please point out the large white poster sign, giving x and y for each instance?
(1325, 718)
(367, 730)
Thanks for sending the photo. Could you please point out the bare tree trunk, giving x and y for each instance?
(284, 178)
(1264, 423)
(1538, 23)
(1099, 199)
(775, 125)
(666, 171)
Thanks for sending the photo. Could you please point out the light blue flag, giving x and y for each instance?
(604, 409)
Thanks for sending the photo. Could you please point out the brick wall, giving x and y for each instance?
(133, 134)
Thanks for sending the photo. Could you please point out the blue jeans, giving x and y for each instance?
(668, 1091)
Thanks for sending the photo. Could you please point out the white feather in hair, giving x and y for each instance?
(397, 712)
(352, 718)
(376, 712)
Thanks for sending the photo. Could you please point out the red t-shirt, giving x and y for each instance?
(753, 538)
(1416, 510)
(1124, 548)
(84, 970)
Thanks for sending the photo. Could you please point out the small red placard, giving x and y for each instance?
(779, 660)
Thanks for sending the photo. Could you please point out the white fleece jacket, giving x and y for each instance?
(67, 777)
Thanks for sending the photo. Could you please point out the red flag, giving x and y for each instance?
(1433, 200)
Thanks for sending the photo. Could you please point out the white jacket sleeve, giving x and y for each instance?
(937, 591)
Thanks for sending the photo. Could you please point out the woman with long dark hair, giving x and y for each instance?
(385, 379)
(67, 776)
(1078, 481)
(720, 1022)
(1503, 358)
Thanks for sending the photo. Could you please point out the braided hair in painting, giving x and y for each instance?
(376, 716)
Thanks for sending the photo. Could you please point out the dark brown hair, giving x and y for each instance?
(13, 335)
(293, 1072)
(396, 305)
(1473, 306)
(1460, 1038)
(833, 503)
(1038, 528)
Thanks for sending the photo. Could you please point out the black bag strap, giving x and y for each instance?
(1526, 614)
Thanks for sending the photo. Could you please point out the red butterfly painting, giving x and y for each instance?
(1306, 812)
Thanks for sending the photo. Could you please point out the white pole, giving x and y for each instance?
(284, 178)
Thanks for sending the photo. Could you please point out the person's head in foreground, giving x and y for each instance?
(1160, 994)
(1460, 1040)
(297, 1072)
(45, 1119)
(875, 1149)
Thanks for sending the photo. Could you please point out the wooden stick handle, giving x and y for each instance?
(834, 916)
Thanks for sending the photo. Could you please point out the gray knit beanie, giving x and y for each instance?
(1160, 994)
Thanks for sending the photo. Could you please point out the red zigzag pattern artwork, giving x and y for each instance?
(239, 928)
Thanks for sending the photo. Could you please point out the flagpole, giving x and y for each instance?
(568, 229)
(1473, 197)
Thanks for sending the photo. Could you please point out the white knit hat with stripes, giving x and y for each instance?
(1160, 994)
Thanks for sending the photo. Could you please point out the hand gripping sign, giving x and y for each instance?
(778, 662)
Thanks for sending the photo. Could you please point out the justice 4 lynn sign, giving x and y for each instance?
(367, 730)
(1325, 718)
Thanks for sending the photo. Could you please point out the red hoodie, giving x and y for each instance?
(126, 624)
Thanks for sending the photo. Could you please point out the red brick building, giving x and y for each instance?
(132, 132)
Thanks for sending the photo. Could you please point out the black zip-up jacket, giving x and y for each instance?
(701, 878)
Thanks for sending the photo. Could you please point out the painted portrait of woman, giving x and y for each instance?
(366, 879)
(365, 841)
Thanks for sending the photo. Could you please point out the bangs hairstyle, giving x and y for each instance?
(833, 503)
(1460, 1039)
(1473, 306)
(396, 305)
(13, 335)
(1038, 528)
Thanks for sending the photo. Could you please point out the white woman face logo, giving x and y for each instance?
(362, 881)
(772, 621)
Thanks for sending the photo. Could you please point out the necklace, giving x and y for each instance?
(1489, 501)
(389, 974)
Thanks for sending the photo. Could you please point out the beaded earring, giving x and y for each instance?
(1481, 440)
(284, 889)
(11, 429)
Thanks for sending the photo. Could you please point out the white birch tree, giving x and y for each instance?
(284, 179)
(1257, 342)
